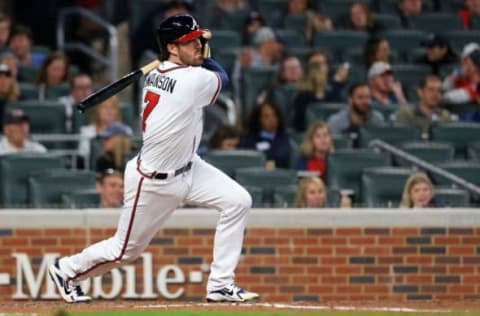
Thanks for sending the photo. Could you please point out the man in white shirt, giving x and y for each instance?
(16, 129)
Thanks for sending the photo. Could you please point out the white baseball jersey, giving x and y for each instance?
(172, 120)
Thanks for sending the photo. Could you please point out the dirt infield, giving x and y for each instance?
(48, 307)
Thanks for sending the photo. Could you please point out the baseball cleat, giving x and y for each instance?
(70, 293)
(232, 293)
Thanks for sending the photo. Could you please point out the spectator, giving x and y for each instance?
(472, 8)
(101, 116)
(461, 86)
(316, 145)
(360, 19)
(20, 43)
(408, 8)
(266, 133)
(428, 110)
(110, 188)
(385, 91)
(53, 73)
(11, 61)
(81, 86)
(438, 53)
(9, 90)
(116, 146)
(267, 52)
(253, 23)
(359, 112)
(225, 137)
(314, 86)
(311, 193)
(5, 25)
(16, 130)
(314, 22)
(418, 192)
(289, 71)
(376, 49)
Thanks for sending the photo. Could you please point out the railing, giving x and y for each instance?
(460, 182)
(111, 60)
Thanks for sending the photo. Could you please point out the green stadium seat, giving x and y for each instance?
(341, 141)
(468, 170)
(345, 167)
(255, 80)
(28, 90)
(404, 41)
(139, 10)
(294, 151)
(340, 40)
(46, 188)
(387, 21)
(392, 134)
(321, 111)
(230, 160)
(28, 74)
(284, 97)
(458, 133)
(390, 6)
(267, 8)
(450, 5)
(284, 196)
(257, 195)
(55, 92)
(292, 38)
(383, 186)
(473, 151)
(232, 21)
(459, 38)
(295, 22)
(46, 117)
(410, 74)
(266, 179)
(475, 23)
(432, 22)
(388, 113)
(431, 152)
(452, 197)
(226, 58)
(14, 172)
(223, 39)
(81, 199)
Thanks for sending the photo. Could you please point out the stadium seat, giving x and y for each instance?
(284, 97)
(139, 10)
(230, 160)
(432, 152)
(292, 38)
(341, 141)
(458, 133)
(468, 170)
(284, 196)
(81, 199)
(344, 167)
(432, 22)
(390, 6)
(295, 22)
(392, 134)
(28, 90)
(383, 186)
(475, 23)
(473, 151)
(55, 92)
(387, 21)
(232, 21)
(337, 10)
(410, 74)
(226, 58)
(255, 80)
(266, 179)
(225, 39)
(28, 74)
(46, 117)
(321, 111)
(294, 151)
(452, 197)
(257, 195)
(14, 172)
(46, 188)
(268, 8)
(355, 56)
(340, 40)
(450, 5)
(459, 38)
(404, 41)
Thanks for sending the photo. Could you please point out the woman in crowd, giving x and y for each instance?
(53, 73)
(360, 19)
(225, 137)
(311, 193)
(418, 192)
(316, 145)
(376, 49)
(266, 133)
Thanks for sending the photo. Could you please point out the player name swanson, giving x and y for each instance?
(161, 82)
(28, 285)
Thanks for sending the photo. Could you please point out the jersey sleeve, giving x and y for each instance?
(207, 86)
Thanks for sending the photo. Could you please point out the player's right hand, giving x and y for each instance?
(205, 47)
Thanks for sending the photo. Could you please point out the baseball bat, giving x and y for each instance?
(113, 88)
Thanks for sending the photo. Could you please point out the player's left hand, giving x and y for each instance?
(205, 47)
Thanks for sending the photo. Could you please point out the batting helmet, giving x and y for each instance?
(177, 29)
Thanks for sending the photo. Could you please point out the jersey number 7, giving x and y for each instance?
(151, 99)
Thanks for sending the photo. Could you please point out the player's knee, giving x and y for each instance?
(244, 199)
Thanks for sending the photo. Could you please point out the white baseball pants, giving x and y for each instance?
(147, 205)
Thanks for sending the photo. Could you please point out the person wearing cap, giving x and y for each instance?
(266, 52)
(428, 109)
(461, 87)
(9, 89)
(109, 186)
(385, 90)
(116, 144)
(16, 130)
(438, 52)
(359, 112)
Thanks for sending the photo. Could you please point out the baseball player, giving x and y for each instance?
(167, 171)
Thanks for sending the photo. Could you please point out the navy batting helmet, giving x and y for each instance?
(177, 29)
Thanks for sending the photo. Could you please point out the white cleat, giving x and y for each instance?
(232, 293)
(70, 293)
